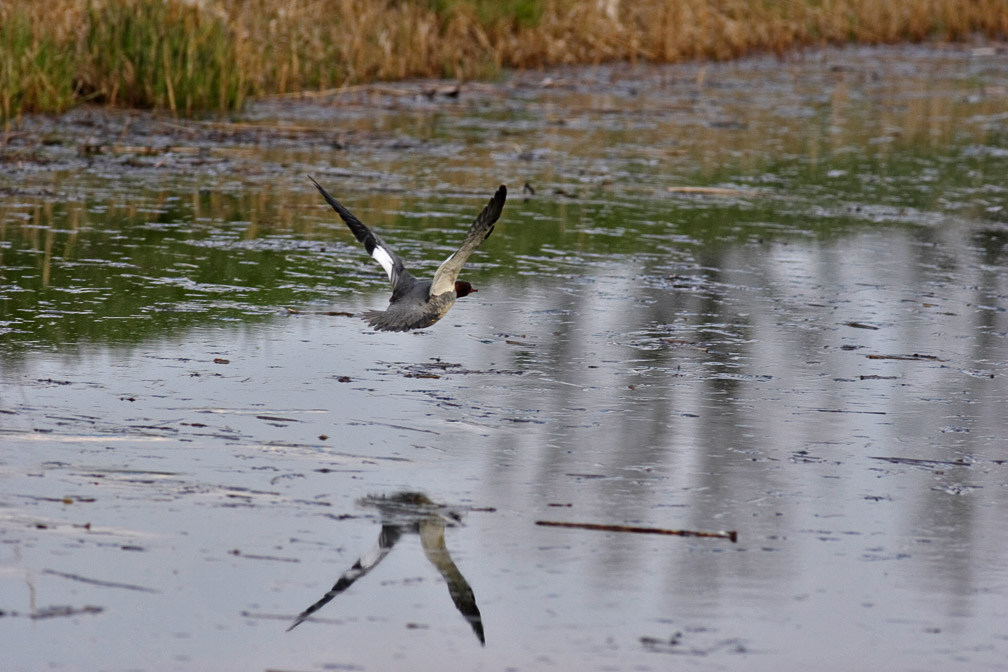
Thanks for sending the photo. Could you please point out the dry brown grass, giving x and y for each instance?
(259, 47)
(314, 44)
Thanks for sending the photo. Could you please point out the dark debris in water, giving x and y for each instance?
(917, 462)
(436, 368)
(676, 645)
(57, 611)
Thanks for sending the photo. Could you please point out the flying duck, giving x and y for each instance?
(417, 304)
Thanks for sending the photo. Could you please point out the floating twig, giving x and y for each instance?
(918, 462)
(861, 325)
(730, 535)
(911, 358)
(328, 313)
(99, 582)
(275, 418)
(252, 556)
(63, 611)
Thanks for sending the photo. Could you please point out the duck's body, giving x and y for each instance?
(417, 304)
(413, 309)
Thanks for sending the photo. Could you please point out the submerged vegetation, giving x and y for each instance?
(191, 55)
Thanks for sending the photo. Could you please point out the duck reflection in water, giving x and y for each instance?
(405, 513)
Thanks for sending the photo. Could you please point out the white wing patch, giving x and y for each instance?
(384, 258)
(371, 558)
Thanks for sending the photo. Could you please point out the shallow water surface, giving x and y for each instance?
(765, 298)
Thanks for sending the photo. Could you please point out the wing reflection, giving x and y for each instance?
(410, 513)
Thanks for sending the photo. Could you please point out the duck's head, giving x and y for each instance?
(463, 288)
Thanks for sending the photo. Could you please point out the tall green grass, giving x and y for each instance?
(192, 55)
(36, 72)
(149, 53)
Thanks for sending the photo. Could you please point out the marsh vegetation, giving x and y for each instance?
(212, 55)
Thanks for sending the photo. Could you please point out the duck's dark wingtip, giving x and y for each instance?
(500, 196)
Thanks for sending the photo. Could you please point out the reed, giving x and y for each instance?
(36, 72)
(149, 53)
(191, 55)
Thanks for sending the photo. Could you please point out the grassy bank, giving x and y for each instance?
(192, 55)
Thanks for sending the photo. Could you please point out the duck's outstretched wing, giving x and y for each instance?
(375, 246)
(448, 272)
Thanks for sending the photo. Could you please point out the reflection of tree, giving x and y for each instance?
(410, 513)
(736, 374)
